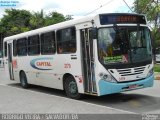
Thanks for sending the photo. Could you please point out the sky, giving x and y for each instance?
(77, 8)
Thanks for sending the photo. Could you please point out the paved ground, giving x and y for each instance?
(14, 99)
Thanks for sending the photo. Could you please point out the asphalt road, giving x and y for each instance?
(14, 99)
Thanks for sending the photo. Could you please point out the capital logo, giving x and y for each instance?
(42, 63)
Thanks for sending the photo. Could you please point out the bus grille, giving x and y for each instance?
(131, 71)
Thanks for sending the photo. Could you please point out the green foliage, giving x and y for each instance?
(68, 17)
(148, 7)
(53, 18)
(14, 21)
(37, 20)
(156, 68)
(17, 21)
(151, 8)
(156, 35)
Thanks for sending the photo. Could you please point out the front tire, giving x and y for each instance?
(71, 88)
(23, 80)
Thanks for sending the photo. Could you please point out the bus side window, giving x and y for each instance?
(5, 49)
(66, 40)
(48, 43)
(22, 47)
(14, 48)
(33, 45)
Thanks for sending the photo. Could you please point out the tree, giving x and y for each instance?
(53, 18)
(37, 20)
(68, 17)
(152, 10)
(15, 21)
(156, 35)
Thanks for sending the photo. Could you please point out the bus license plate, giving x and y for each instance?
(132, 86)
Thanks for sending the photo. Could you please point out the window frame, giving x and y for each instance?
(5, 49)
(43, 38)
(33, 45)
(26, 46)
(58, 40)
(15, 52)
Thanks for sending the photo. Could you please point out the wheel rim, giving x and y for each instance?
(73, 87)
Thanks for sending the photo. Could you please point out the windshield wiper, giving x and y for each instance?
(116, 28)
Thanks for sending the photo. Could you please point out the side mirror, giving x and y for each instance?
(94, 33)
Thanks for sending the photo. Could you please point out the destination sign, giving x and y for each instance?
(121, 19)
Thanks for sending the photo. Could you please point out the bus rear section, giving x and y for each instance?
(1, 63)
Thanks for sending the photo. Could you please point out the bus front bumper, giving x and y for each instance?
(109, 88)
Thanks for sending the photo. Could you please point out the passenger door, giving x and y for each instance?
(10, 65)
(88, 61)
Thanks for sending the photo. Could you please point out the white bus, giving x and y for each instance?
(100, 55)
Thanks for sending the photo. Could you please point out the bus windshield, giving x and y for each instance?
(124, 45)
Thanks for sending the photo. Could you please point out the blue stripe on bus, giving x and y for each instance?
(109, 88)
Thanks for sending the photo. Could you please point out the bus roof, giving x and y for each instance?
(50, 28)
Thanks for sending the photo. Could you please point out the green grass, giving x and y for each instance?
(157, 68)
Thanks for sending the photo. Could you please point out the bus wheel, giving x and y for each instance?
(23, 80)
(71, 88)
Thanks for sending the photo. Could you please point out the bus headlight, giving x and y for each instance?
(150, 73)
(107, 77)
